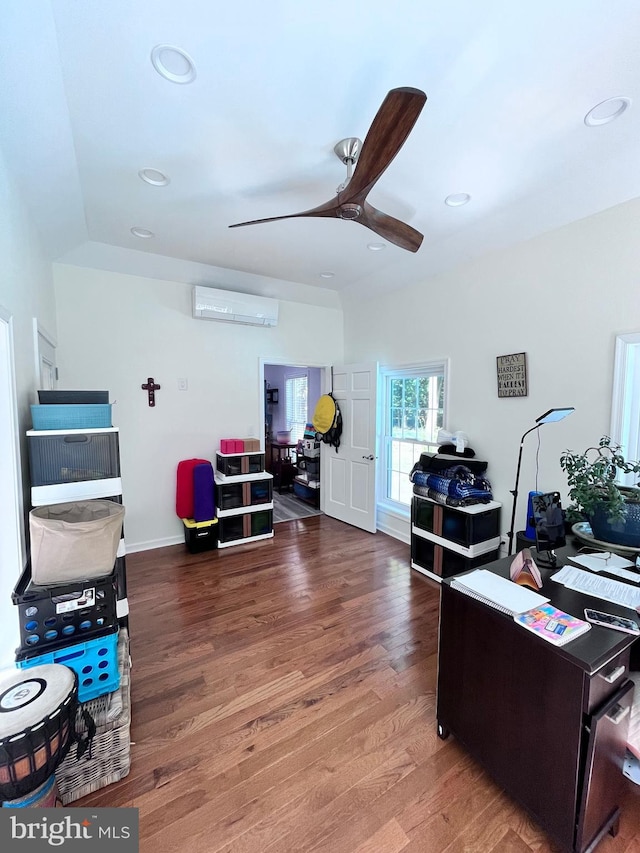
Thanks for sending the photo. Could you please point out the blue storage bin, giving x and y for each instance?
(71, 416)
(94, 661)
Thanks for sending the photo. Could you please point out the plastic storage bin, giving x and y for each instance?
(52, 617)
(236, 527)
(444, 562)
(75, 416)
(95, 662)
(73, 457)
(242, 463)
(200, 535)
(71, 541)
(249, 493)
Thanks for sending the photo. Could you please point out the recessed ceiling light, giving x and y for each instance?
(153, 176)
(457, 199)
(376, 247)
(327, 274)
(173, 63)
(606, 111)
(144, 233)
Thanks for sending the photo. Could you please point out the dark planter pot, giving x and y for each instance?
(624, 531)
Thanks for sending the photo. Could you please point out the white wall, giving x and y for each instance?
(116, 330)
(26, 291)
(561, 298)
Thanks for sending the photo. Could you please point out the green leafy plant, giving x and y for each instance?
(591, 477)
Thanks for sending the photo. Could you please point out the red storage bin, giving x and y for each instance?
(184, 487)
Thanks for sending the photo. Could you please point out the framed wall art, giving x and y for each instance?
(512, 375)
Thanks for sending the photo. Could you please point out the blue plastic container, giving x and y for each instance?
(95, 662)
(71, 416)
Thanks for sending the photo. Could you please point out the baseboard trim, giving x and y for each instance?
(394, 525)
(132, 547)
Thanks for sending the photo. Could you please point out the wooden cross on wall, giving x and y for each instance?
(150, 387)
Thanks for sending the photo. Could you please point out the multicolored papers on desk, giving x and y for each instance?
(551, 624)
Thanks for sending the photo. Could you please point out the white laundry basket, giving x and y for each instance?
(75, 540)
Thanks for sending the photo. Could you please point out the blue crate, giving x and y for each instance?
(71, 416)
(94, 661)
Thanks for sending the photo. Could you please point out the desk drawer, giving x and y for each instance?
(606, 681)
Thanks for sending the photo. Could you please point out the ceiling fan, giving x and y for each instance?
(390, 128)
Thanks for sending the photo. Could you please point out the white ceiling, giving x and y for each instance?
(278, 84)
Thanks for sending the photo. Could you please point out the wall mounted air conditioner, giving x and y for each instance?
(212, 304)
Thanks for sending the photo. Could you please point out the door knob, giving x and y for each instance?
(370, 457)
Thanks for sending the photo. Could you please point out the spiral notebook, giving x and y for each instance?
(498, 592)
(551, 624)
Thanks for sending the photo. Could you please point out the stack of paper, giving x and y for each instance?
(604, 588)
(497, 592)
(612, 564)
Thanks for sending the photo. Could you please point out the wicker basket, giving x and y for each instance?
(109, 759)
(93, 777)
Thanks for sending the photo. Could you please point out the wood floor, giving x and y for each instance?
(284, 698)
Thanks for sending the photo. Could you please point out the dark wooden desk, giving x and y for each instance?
(282, 464)
(548, 723)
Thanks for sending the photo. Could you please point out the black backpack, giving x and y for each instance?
(327, 416)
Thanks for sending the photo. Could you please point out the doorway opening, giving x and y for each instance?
(292, 455)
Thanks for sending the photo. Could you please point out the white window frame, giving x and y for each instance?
(625, 403)
(297, 374)
(387, 373)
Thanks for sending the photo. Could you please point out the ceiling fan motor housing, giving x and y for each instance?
(349, 211)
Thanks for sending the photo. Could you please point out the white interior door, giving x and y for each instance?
(45, 349)
(348, 477)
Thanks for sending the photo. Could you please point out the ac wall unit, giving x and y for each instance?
(212, 304)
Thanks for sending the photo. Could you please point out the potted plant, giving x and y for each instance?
(613, 511)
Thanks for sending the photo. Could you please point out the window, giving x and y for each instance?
(414, 407)
(296, 405)
(625, 409)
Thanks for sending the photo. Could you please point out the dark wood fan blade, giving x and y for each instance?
(388, 132)
(329, 208)
(391, 229)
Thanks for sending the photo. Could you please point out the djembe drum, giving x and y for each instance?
(37, 725)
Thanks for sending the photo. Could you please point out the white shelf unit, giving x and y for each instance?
(244, 502)
(65, 491)
(308, 477)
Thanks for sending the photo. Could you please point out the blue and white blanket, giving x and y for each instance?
(456, 482)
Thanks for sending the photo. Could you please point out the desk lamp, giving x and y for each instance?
(549, 417)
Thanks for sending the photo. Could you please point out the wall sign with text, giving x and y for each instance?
(512, 375)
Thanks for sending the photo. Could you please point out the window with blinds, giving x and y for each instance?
(296, 405)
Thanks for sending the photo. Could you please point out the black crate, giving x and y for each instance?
(73, 457)
(200, 535)
(51, 617)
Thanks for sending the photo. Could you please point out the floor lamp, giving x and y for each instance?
(548, 418)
